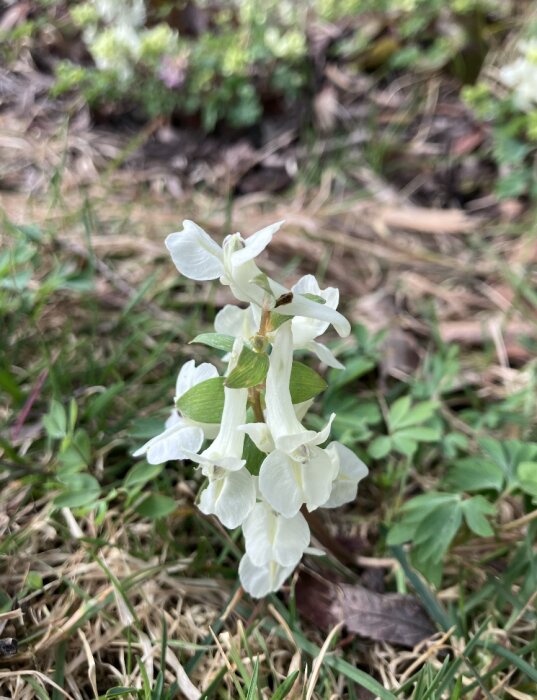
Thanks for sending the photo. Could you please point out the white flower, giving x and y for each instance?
(226, 449)
(521, 76)
(132, 13)
(259, 581)
(237, 322)
(231, 492)
(244, 323)
(181, 436)
(230, 496)
(302, 306)
(305, 330)
(351, 470)
(117, 48)
(297, 471)
(198, 257)
(271, 537)
(287, 483)
(287, 431)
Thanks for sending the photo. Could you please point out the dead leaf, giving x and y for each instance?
(390, 617)
(427, 220)
(326, 108)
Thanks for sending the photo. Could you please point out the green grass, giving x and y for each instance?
(115, 568)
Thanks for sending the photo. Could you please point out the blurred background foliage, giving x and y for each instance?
(219, 66)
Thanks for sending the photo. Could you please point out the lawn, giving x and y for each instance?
(112, 582)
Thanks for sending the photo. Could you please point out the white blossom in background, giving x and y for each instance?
(296, 473)
(521, 76)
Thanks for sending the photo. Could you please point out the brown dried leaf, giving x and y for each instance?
(427, 220)
(390, 617)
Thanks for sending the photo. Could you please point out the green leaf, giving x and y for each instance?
(398, 411)
(527, 475)
(380, 447)
(204, 402)
(401, 532)
(284, 689)
(474, 510)
(420, 413)
(253, 456)
(419, 433)
(429, 501)
(34, 580)
(142, 473)
(475, 474)
(77, 454)
(55, 422)
(404, 444)
(253, 685)
(80, 490)
(437, 529)
(220, 341)
(156, 506)
(251, 370)
(120, 692)
(9, 384)
(305, 383)
(354, 369)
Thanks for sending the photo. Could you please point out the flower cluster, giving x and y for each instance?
(115, 34)
(521, 76)
(264, 468)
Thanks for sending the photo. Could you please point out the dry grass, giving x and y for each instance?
(94, 590)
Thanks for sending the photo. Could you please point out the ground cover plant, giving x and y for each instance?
(113, 583)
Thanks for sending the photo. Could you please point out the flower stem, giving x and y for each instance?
(255, 400)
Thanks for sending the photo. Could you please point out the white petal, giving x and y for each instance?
(317, 477)
(255, 244)
(173, 419)
(302, 306)
(259, 530)
(302, 408)
(324, 354)
(207, 502)
(290, 443)
(269, 536)
(194, 253)
(174, 443)
(291, 539)
(259, 581)
(342, 492)
(280, 414)
(307, 285)
(236, 498)
(229, 442)
(229, 320)
(232, 464)
(350, 465)
(190, 375)
(280, 483)
(322, 436)
(260, 435)
(241, 282)
(306, 329)
(351, 470)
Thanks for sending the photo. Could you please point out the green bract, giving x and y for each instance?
(204, 402)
